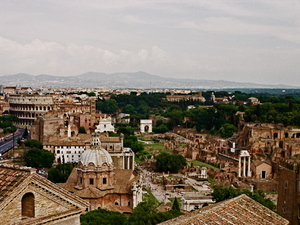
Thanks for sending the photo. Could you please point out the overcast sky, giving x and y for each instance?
(248, 41)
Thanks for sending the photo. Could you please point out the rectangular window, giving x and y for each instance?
(91, 181)
(104, 181)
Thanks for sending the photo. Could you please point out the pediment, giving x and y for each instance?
(50, 200)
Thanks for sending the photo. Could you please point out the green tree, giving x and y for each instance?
(33, 143)
(110, 106)
(227, 130)
(82, 130)
(173, 163)
(60, 173)
(127, 130)
(25, 134)
(129, 109)
(102, 216)
(222, 193)
(176, 205)
(133, 143)
(162, 128)
(146, 212)
(39, 158)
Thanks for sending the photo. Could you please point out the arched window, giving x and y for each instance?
(28, 205)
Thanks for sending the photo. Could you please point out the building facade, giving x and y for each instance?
(27, 198)
(28, 107)
(97, 181)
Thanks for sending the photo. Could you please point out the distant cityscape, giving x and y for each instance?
(68, 152)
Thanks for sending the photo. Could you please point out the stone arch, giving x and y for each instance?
(28, 205)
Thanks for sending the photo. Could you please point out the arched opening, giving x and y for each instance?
(28, 205)
(146, 128)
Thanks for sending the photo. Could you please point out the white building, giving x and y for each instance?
(105, 125)
(123, 118)
(68, 153)
(193, 202)
(146, 126)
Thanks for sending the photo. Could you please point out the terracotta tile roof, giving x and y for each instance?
(259, 162)
(239, 210)
(92, 192)
(124, 179)
(10, 178)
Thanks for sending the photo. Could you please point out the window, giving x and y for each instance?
(116, 203)
(91, 181)
(263, 174)
(104, 180)
(286, 184)
(28, 205)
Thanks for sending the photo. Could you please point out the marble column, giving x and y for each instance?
(249, 171)
(244, 167)
(240, 164)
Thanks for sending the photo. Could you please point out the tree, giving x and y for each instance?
(162, 128)
(60, 173)
(127, 130)
(25, 134)
(146, 212)
(176, 205)
(129, 109)
(222, 193)
(39, 158)
(173, 163)
(102, 216)
(227, 130)
(33, 143)
(82, 130)
(110, 106)
(133, 143)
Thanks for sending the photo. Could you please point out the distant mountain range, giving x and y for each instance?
(140, 80)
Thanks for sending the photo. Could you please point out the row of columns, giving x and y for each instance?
(127, 164)
(248, 174)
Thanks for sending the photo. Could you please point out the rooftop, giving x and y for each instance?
(238, 210)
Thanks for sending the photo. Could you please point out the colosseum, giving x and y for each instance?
(28, 108)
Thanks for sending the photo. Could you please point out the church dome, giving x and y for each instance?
(98, 156)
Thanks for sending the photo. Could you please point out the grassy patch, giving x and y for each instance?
(201, 164)
(155, 146)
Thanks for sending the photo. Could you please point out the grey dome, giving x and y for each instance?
(97, 156)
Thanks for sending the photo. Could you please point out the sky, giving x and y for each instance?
(254, 41)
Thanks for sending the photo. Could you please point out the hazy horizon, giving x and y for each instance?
(243, 41)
